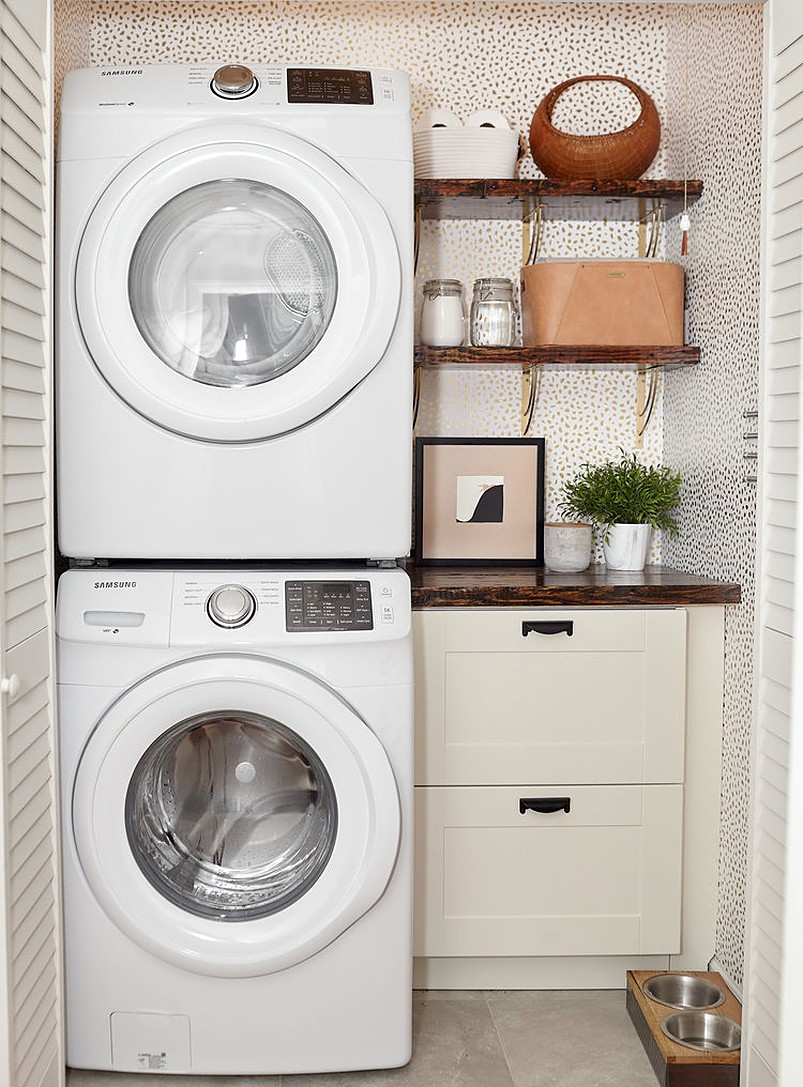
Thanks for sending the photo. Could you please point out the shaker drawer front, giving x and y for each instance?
(605, 704)
(600, 879)
(545, 630)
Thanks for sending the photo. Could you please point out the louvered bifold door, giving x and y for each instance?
(31, 1049)
(779, 676)
(788, 172)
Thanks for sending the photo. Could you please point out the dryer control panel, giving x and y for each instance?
(343, 86)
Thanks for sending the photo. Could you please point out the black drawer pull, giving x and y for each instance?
(548, 626)
(546, 805)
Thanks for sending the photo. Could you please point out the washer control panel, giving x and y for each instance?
(237, 607)
(231, 606)
(328, 605)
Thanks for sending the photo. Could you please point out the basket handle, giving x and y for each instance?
(551, 98)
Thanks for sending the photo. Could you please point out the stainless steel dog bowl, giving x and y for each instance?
(703, 1030)
(683, 991)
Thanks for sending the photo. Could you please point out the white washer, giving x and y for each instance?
(234, 313)
(236, 777)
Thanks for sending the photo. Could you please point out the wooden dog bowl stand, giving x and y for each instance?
(678, 1065)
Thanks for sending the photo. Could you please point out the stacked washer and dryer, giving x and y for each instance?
(234, 350)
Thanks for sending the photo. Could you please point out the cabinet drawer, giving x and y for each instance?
(603, 878)
(500, 630)
(501, 698)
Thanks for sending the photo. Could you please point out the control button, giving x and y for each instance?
(387, 613)
(234, 81)
(231, 606)
(385, 590)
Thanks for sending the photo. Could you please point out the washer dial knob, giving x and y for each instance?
(231, 606)
(234, 81)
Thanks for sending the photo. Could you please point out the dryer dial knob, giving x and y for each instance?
(234, 81)
(231, 606)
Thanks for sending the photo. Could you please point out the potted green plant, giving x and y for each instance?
(626, 500)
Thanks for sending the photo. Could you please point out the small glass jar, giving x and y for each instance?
(443, 321)
(492, 315)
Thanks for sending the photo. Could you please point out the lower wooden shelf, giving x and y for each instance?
(560, 357)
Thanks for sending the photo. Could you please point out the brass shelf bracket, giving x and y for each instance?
(532, 231)
(646, 396)
(417, 236)
(651, 224)
(655, 225)
(530, 381)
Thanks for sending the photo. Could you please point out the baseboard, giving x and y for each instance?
(543, 972)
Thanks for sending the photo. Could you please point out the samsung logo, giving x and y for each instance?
(115, 584)
(123, 71)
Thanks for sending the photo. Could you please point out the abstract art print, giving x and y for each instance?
(480, 498)
(479, 501)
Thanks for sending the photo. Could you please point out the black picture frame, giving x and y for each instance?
(479, 501)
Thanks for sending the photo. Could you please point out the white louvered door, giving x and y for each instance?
(773, 1007)
(788, 39)
(31, 1050)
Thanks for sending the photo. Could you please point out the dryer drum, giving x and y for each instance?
(231, 815)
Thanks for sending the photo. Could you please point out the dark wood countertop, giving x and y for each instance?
(529, 587)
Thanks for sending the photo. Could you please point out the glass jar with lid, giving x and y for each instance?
(492, 317)
(443, 322)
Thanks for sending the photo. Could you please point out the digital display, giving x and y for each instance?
(329, 85)
(333, 590)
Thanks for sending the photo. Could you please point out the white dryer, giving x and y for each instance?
(236, 778)
(234, 313)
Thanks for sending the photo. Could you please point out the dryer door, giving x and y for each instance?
(234, 816)
(233, 286)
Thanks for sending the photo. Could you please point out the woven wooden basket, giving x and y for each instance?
(623, 155)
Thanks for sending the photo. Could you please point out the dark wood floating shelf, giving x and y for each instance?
(559, 357)
(449, 198)
(535, 587)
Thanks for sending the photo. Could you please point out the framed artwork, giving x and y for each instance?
(479, 501)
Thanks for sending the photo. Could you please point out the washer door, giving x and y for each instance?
(233, 816)
(234, 285)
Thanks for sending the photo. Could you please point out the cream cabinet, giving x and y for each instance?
(551, 779)
(589, 697)
(598, 876)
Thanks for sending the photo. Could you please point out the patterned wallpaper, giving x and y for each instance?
(505, 54)
(704, 419)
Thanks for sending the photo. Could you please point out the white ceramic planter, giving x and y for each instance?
(626, 546)
(567, 546)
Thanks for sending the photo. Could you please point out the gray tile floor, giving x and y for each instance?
(478, 1039)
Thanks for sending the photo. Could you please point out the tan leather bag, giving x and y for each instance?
(618, 302)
